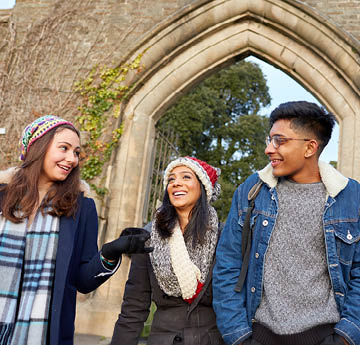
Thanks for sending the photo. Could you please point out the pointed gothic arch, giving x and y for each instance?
(204, 37)
(210, 34)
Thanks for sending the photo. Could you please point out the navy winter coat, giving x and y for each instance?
(78, 268)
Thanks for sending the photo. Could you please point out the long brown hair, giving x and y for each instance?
(21, 194)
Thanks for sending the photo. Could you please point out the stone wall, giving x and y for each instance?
(343, 13)
(47, 45)
(52, 44)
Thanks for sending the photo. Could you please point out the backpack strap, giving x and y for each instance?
(247, 236)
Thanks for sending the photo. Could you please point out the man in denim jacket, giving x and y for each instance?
(303, 281)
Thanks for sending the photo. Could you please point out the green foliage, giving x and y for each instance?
(218, 122)
(103, 91)
(334, 164)
(147, 326)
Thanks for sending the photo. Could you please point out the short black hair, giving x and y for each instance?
(306, 116)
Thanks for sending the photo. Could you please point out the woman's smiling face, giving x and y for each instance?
(61, 157)
(183, 188)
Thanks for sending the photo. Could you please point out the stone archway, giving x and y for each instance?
(189, 46)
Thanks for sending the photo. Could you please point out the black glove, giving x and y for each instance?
(131, 240)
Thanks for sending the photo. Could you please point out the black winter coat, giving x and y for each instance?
(175, 322)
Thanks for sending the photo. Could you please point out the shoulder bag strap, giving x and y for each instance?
(247, 236)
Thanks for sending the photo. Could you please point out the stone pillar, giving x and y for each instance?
(97, 313)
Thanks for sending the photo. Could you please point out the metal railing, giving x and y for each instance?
(164, 151)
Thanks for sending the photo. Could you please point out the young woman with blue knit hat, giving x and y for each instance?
(177, 275)
(48, 238)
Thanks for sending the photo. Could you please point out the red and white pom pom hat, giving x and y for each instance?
(206, 173)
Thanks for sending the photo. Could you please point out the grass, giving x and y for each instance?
(147, 326)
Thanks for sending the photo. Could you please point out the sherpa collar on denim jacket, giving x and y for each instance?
(333, 180)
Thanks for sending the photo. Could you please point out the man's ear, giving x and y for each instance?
(312, 148)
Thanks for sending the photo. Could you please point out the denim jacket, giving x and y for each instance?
(341, 225)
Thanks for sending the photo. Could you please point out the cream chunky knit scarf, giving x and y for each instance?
(177, 265)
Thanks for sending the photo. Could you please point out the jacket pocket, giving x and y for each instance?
(347, 234)
(242, 216)
(164, 339)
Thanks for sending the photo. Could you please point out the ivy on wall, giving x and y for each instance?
(103, 92)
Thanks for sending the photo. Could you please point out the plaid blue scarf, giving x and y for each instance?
(27, 266)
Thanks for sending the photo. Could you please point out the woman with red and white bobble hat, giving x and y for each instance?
(177, 275)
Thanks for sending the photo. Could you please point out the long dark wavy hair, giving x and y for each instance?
(22, 191)
(166, 218)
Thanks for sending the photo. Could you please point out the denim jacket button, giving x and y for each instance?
(349, 236)
(265, 222)
(253, 289)
(257, 255)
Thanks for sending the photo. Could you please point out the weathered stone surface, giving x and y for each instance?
(46, 46)
(340, 12)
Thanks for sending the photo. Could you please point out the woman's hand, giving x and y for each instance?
(131, 240)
